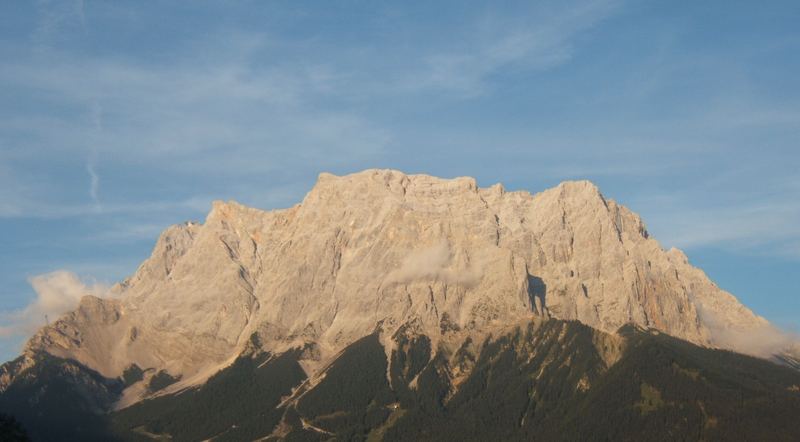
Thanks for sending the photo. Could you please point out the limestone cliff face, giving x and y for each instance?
(379, 250)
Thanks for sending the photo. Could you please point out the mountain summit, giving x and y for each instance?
(384, 249)
(395, 256)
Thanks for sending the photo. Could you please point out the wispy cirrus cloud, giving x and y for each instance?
(539, 40)
(237, 117)
(111, 126)
(222, 122)
(762, 220)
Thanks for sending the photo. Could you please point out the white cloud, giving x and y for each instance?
(56, 16)
(235, 118)
(57, 293)
(764, 341)
(94, 182)
(228, 122)
(539, 40)
(771, 222)
(15, 207)
(94, 179)
(435, 263)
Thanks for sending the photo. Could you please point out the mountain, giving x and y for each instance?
(539, 379)
(385, 302)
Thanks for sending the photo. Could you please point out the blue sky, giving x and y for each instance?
(118, 119)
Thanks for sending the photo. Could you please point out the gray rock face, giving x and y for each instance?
(381, 249)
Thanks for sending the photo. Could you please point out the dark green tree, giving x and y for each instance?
(11, 430)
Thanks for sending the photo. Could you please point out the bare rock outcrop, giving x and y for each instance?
(379, 250)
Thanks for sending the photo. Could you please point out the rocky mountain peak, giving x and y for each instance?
(383, 250)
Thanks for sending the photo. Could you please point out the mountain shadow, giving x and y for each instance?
(543, 380)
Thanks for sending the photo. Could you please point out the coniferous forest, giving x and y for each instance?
(549, 382)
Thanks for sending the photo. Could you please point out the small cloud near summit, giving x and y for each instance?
(434, 263)
(57, 293)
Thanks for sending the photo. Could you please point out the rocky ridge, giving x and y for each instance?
(382, 250)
